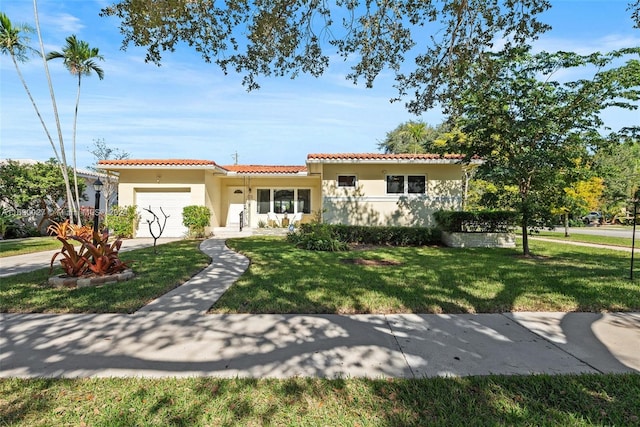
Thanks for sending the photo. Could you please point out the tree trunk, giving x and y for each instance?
(525, 237)
(63, 159)
(75, 166)
(566, 224)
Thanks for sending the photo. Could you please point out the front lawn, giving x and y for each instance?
(28, 245)
(283, 279)
(538, 400)
(174, 264)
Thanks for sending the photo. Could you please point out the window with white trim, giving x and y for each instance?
(283, 200)
(406, 184)
(347, 180)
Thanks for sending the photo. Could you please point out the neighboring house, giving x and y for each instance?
(88, 196)
(366, 189)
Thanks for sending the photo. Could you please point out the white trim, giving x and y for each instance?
(388, 161)
(392, 198)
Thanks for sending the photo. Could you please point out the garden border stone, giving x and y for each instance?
(83, 282)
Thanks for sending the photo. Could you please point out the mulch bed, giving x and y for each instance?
(371, 262)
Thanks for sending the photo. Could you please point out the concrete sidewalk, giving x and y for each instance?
(173, 337)
(37, 260)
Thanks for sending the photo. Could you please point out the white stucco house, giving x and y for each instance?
(347, 188)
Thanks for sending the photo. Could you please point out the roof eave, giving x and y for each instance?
(214, 168)
(385, 161)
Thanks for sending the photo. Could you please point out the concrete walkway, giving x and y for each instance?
(173, 337)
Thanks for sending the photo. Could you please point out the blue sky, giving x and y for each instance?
(189, 109)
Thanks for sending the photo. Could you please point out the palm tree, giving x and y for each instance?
(79, 59)
(15, 43)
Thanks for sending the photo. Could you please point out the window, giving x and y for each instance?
(406, 184)
(304, 201)
(283, 201)
(264, 201)
(417, 184)
(346, 180)
(395, 184)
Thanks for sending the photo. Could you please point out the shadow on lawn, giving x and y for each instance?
(283, 279)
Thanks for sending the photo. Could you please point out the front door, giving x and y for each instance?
(236, 199)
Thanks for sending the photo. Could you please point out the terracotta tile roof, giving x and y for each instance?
(382, 156)
(258, 169)
(157, 162)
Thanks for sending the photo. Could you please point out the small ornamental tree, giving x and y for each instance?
(196, 218)
(532, 131)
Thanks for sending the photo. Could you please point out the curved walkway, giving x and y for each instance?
(172, 337)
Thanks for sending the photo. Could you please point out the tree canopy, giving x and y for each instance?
(414, 137)
(440, 38)
(28, 189)
(534, 132)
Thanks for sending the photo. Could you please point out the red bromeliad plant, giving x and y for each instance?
(99, 259)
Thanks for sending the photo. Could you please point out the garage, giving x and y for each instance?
(172, 202)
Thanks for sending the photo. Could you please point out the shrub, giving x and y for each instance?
(392, 236)
(123, 220)
(7, 219)
(477, 221)
(99, 259)
(314, 235)
(196, 218)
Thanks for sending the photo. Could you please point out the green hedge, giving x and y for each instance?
(477, 221)
(373, 235)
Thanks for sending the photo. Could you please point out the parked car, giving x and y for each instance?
(592, 217)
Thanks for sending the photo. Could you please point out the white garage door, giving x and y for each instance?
(171, 203)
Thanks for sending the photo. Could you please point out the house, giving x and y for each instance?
(348, 188)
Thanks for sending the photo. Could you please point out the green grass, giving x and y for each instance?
(541, 400)
(589, 238)
(283, 279)
(157, 274)
(29, 245)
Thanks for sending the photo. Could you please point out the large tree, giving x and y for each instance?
(619, 167)
(80, 59)
(533, 131)
(441, 39)
(413, 137)
(34, 191)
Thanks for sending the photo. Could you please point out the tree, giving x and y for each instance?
(263, 38)
(619, 167)
(532, 131)
(33, 190)
(15, 43)
(414, 137)
(79, 59)
(110, 179)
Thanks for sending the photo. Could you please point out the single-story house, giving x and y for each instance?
(348, 188)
